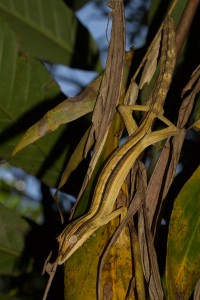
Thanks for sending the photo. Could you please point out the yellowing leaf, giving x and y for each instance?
(183, 255)
(196, 125)
(117, 271)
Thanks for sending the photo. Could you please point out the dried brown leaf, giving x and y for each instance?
(148, 253)
(163, 171)
(110, 89)
(151, 63)
(193, 79)
(165, 168)
(95, 157)
(187, 105)
(131, 94)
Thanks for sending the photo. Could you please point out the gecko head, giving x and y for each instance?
(73, 237)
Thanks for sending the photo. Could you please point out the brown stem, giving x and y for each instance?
(185, 23)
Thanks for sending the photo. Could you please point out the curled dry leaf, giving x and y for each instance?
(109, 93)
(148, 253)
(116, 119)
(151, 63)
(131, 94)
(193, 79)
(194, 86)
(166, 166)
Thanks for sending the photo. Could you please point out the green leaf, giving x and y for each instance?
(12, 240)
(157, 6)
(183, 255)
(26, 93)
(49, 30)
(65, 112)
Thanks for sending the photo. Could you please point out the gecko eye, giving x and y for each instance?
(73, 239)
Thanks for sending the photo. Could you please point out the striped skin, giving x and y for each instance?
(117, 167)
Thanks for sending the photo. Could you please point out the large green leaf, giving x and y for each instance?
(26, 93)
(49, 30)
(12, 240)
(183, 255)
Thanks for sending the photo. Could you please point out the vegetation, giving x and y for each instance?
(46, 135)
